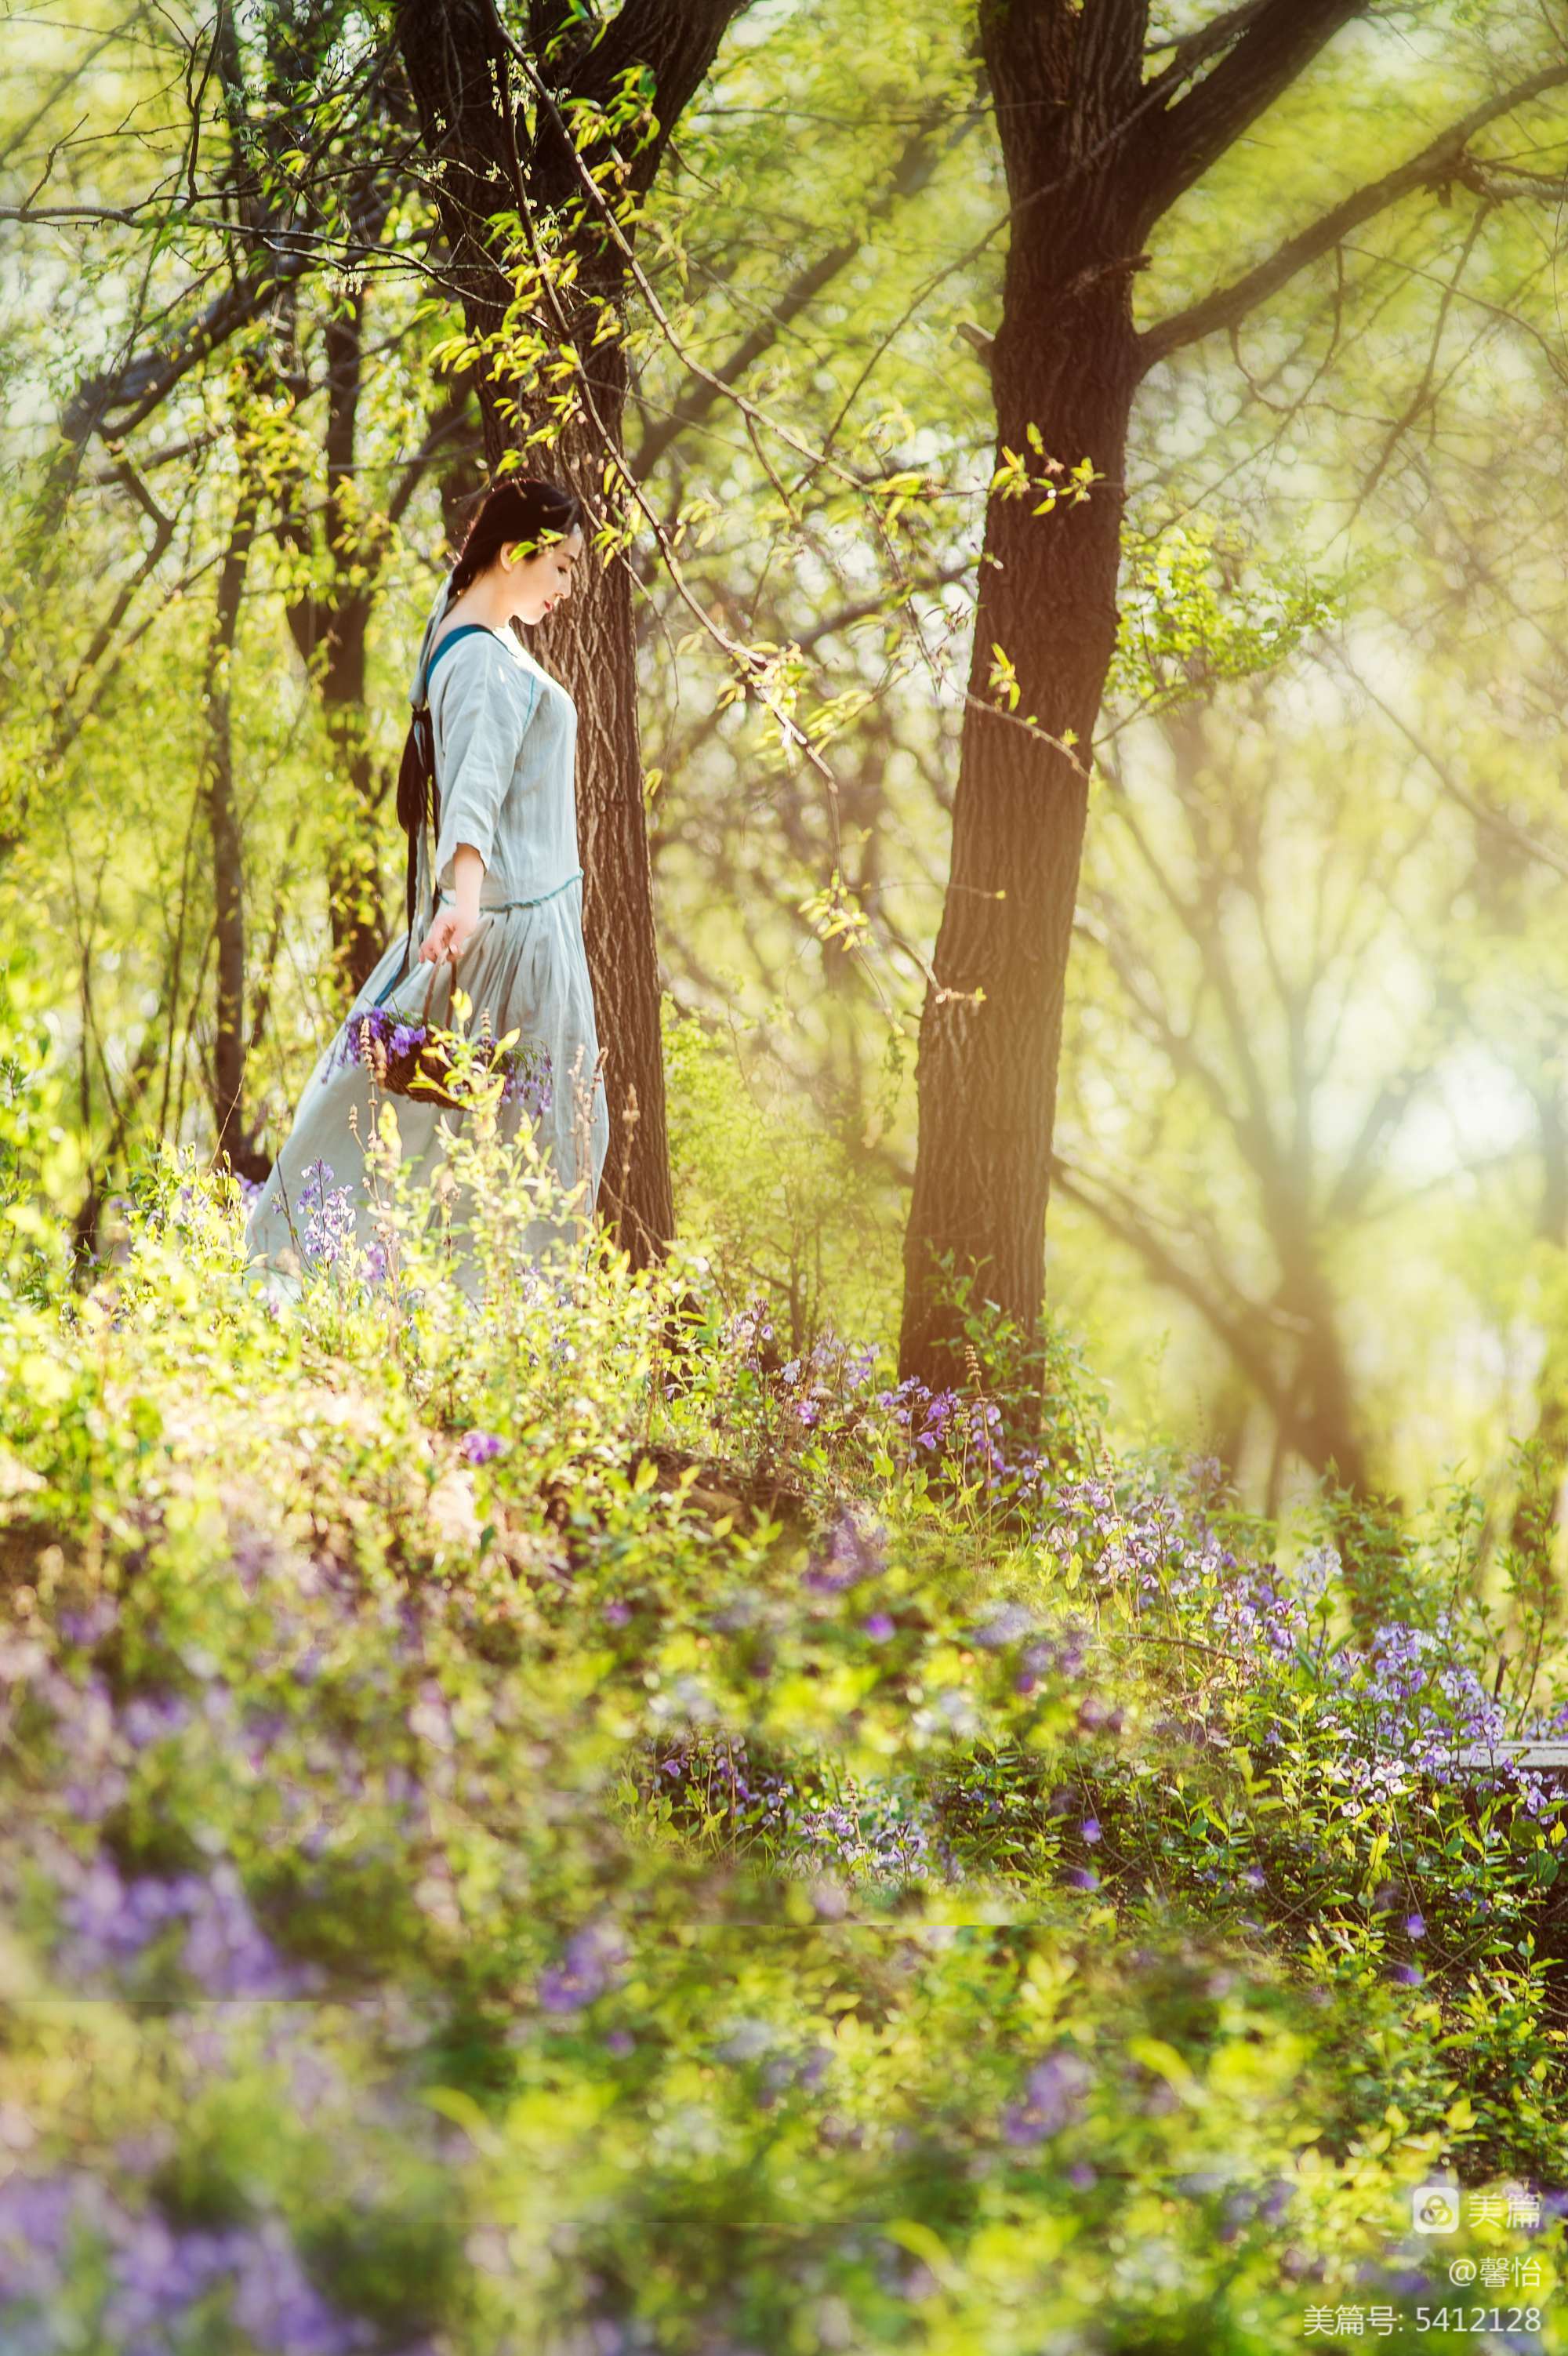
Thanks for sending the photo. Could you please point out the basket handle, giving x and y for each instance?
(436, 966)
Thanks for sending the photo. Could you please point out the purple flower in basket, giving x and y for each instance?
(378, 1036)
(372, 1028)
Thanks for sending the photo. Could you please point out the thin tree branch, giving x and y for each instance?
(695, 399)
(1493, 820)
(1273, 45)
(1441, 160)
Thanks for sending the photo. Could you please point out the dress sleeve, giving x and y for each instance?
(479, 727)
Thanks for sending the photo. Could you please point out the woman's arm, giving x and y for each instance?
(477, 734)
(450, 934)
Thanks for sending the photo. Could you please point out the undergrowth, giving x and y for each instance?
(567, 1826)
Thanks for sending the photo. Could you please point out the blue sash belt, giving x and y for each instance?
(490, 908)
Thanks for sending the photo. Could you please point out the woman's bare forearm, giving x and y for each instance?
(450, 928)
(468, 874)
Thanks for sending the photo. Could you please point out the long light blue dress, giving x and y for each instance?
(505, 736)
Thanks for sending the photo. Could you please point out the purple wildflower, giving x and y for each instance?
(588, 1965)
(853, 1555)
(329, 1214)
(1005, 1626)
(1053, 2098)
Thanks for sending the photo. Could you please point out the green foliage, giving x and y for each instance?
(605, 1820)
(709, 1850)
(1196, 612)
(39, 1161)
(776, 1197)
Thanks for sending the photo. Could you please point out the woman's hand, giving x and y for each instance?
(454, 927)
(448, 936)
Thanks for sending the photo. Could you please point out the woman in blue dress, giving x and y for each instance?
(501, 894)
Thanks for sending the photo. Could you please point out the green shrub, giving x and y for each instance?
(520, 1835)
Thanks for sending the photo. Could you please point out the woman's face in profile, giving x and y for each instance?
(541, 582)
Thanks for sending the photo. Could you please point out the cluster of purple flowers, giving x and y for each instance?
(829, 1363)
(527, 1080)
(590, 1964)
(923, 1414)
(328, 1213)
(110, 1924)
(1006, 1623)
(748, 1332)
(161, 2278)
(876, 1833)
(1140, 1543)
(191, 1930)
(825, 1389)
(867, 1834)
(1252, 1609)
(1052, 2099)
(785, 2066)
(379, 1027)
(378, 1033)
(830, 1376)
(855, 1550)
(1406, 1706)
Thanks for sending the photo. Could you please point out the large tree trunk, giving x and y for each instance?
(1324, 1429)
(1093, 157)
(233, 1142)
(353, 881)
(330, 621)
(485, 161)
(591, 646)
(1064, 363)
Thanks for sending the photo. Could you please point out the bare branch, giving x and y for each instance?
(1273, 45)
(1441, 160)
(698, 395)
(1494, 821)
(1127, 1222)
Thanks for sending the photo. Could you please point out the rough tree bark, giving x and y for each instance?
(329, 625)
(1538, 1506)
(1094, 157)
(1065, 360)
(330, 618)
(472, 100)
(233, 1141)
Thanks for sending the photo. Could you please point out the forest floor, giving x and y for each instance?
(558, 1832)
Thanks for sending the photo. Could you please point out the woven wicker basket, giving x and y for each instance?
(406, 1060)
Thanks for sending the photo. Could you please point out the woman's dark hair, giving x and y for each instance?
(529, 511)
(534, 512)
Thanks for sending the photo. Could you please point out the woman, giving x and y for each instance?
(503, 900)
